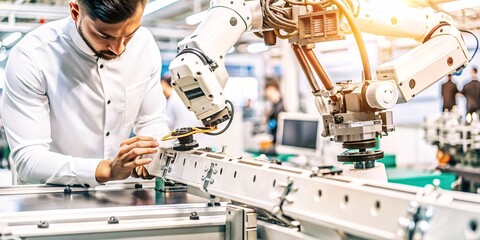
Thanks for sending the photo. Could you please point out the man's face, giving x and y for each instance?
(107, 41)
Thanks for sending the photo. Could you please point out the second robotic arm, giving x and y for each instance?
(359, 116)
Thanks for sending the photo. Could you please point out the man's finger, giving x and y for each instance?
(134, 153)
(140, 171)
(143, 144)
(140, 144)
(145, 174)
(134, 173)
(138, 162)
(136, 139)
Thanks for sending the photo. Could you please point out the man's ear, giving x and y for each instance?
(74, 10)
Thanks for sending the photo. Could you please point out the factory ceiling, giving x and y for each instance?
(168, 23)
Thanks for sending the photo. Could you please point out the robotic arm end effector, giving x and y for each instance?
(205, 98)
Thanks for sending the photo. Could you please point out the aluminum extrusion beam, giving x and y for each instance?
(349, 206)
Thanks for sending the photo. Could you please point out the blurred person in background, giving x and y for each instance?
(449, 90)
(274, 96)
(471, 91)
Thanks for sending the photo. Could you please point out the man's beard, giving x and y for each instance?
(104, 54)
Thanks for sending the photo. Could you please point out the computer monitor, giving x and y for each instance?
(299, 134)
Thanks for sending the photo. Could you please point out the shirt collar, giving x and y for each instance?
(77, 39)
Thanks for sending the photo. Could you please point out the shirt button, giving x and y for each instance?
(108, 102)
(108, 133)
(101, 65)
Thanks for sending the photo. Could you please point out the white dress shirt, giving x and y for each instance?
(65, 109)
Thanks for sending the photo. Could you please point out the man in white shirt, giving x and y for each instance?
(74, 91)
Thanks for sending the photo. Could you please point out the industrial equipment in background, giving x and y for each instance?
(458, 143)
(357, 112)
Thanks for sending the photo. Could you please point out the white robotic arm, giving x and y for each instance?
(198, 71)
(359, 116)
(442, 51)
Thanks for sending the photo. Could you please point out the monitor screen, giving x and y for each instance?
(300, 133)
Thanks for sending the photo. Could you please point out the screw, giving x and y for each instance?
(113, 220)
(67, 190)
(43, 224)
(194, 216)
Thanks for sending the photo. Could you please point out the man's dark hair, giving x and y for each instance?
(272, 82)
(111, 11)
(475, 70)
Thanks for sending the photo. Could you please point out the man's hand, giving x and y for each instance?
(126, 160)
(141, 172)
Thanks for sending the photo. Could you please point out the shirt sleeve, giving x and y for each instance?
(152, 119)
(26, 117)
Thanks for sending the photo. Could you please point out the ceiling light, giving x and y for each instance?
(196, 18)
(157, 5)
(459, 5)
(10, 39)
(257, 47)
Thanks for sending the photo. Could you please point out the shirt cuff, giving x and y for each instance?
(86, 169)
